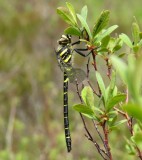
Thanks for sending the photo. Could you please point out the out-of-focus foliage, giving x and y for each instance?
(31, 125)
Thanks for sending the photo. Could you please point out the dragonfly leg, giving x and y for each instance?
(77, 42)
(81, 53)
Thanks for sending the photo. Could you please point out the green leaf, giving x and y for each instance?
(136, 128)
(137, 138)
(72, 11)
(115, 91)
(101, 23)
(112, 114)
(72, 31)
(139, 124)
(126, 40)
(137, 75)
(105, 41)
(114, 44)
(65, 15)
(120, 66)
(110, 89)
(81, 108)
(140, 35)
(115, 100)
(130, 149)
(133, 77)
(84, 12)
(119, 123)
(118, 44)
(99, 111)
(134, 110)
(106, 32)
(112, 118)
(111, 44)
(135, 32)
(113, 81)
(101, 84)
(88, 96)
(111, 121)
(136, 48)
(101, 51)
(85, 25)
(121, 55)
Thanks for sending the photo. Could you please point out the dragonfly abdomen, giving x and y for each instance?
(66, 119)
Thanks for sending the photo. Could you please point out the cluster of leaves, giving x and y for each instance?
(99, 36)
(110, 98)
(131, 74)
(129, 102)
(71, 18)
(136, 43)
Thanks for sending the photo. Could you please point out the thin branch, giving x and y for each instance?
(139, 153)
(130, 126)
(88, 71)
(95, 67)
(129, 119)
(92, 140)
(94, 59)
(89, 136)
(106, 140)
(99, 134)
(130, 123)
(78, 91)
(127, 95)
(108, 68)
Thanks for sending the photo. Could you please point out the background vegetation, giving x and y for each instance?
(31, 120)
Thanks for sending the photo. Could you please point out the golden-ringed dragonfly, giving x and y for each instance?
(64, 56)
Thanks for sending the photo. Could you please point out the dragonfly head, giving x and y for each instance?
(65, 40)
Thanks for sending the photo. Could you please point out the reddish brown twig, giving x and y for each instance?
(88, 135)
(105, 130)
(88, 71)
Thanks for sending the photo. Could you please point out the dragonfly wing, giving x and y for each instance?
(80, 75)
(76, 74)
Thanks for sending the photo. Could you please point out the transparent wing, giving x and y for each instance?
(76, 74)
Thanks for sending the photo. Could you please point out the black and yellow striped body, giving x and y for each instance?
(66, 119)
(64, 56)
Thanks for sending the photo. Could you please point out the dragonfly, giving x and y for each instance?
(64, 54)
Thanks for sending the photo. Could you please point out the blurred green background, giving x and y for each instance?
(31, 119)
